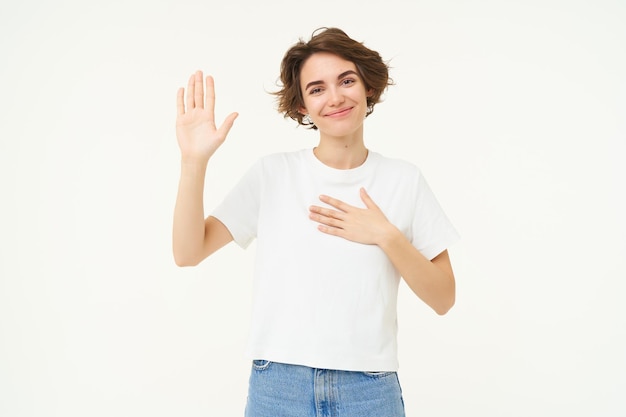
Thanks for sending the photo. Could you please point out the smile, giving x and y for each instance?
(340, 112)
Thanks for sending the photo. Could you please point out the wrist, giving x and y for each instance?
(390, 237)
(193, 166)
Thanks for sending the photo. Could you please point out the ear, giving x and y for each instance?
(303, 111)
(369, 92)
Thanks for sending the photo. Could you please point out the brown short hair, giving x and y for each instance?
(371, 68)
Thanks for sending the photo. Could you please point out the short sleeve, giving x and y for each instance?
(239, 211)
(432, 231)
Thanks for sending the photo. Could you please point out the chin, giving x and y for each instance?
(338, 132)
(339, 129)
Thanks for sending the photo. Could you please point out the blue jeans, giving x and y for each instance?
(281, 390)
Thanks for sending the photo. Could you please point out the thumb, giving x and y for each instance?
(369, 203)
(227, 124)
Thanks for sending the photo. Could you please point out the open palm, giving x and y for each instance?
(198, 137)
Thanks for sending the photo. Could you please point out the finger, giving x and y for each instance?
(190, 89)
(210, 96)
(228, 123)
(326, 220)
(198, 96)
(331, 230)
(180, 101)
(327, 213)
(338, 204)
(369, 203)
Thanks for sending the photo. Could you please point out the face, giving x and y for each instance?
(334, 94)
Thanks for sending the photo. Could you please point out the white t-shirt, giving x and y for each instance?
(320, 300)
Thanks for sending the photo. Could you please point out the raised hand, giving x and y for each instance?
(368, 226)
(198, 137)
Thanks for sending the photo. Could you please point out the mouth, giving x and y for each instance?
(340, 112)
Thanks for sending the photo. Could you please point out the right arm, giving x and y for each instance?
(194, 237)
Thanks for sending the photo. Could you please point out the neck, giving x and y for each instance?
(342, 152)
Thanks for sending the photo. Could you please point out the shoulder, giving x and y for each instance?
(283, 157)
(281, 161)
(397, 167)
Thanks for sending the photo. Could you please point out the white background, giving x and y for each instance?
(514, 110)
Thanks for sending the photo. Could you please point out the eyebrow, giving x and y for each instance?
(339, 77)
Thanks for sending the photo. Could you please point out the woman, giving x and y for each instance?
(336, 228)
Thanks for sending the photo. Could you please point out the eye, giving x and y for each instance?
(348, 81)
(315, 90)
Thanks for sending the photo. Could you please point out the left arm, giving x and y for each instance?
(431, 280)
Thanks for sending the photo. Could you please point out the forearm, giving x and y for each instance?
(432, 281)
(189, 230)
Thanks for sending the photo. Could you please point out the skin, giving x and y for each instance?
(194, 238)
(336, 100)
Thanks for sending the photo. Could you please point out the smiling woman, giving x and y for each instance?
(369, 65)
(334, 97)
(337, 227)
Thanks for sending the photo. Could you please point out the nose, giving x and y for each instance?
(335, 97)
